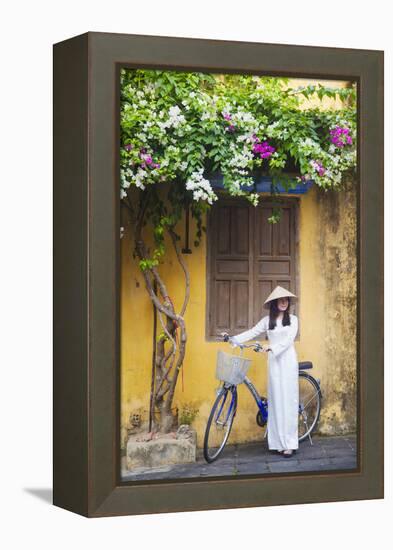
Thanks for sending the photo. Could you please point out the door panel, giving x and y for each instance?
(248, 257)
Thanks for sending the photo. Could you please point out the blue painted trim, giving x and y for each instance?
(263, 185)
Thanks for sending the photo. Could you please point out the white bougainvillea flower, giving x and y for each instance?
(200, 187)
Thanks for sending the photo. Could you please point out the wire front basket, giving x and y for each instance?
(231, 368)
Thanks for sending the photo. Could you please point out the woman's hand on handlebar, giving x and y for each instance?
(255, 345)
(230, 339)
(265, 348)
(259, 347)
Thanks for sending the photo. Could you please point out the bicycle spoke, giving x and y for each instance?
(315, 394)
(309, 406)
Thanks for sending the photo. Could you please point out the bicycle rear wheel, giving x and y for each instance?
(309, 405)
(219, 424)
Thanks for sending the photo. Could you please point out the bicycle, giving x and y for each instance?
(232, 370)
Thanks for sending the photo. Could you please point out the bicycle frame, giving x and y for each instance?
(233, 390)
(260, 401)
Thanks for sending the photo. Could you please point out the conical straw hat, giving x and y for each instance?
(278, 292)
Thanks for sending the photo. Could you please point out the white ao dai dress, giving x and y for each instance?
(283, 381)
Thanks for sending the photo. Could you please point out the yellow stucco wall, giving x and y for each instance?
(327, 320)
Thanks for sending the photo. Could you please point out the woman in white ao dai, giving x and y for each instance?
(283, 375)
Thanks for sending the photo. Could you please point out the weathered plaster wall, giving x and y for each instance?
(327, 318)
(337, 244)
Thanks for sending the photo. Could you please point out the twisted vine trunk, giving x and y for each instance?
(171, 345)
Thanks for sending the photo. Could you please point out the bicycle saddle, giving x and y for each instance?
(304, 365)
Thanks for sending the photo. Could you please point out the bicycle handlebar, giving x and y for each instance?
(256, 345)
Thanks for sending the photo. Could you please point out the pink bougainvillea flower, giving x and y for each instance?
(227, 116)
(340, 136)
(128, 147)
(318, 167)
(147, 160)
(264, 150)
(230, 128)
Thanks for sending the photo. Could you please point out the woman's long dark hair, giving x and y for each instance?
(274, 311)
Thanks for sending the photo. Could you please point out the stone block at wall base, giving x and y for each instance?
(161, 450)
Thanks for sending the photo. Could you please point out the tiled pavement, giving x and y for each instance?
(326, 453)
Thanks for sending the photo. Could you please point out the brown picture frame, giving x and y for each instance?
(86, 267)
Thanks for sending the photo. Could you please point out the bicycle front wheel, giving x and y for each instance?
(309, 405)
(219, 424)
